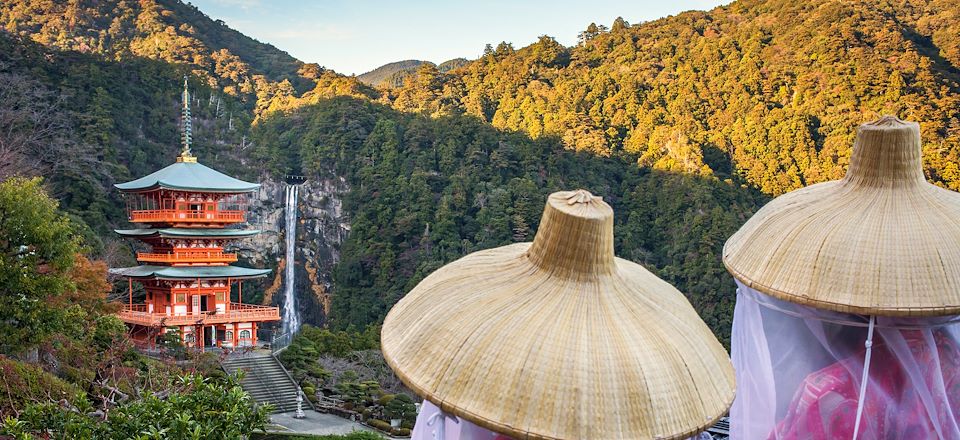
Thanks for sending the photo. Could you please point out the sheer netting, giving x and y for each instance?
(431, 419)
(799, 373)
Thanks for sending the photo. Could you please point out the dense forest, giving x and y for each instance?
(163, 30)
(428, 190)
(693, 120)
(85, 123)
(768, 92)
(685, 124)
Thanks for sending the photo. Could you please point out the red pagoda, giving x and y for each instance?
(185, 212)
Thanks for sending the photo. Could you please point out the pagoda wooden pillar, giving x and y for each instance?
(226, 307)
(200, 301)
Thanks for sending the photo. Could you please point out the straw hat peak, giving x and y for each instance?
(559, 339)
(886, 152)
(588, 205)
(889, 121)
(575, 235)
(882, 240)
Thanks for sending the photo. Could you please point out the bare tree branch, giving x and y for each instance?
(37, 136)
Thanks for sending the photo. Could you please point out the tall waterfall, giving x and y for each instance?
(291, 316)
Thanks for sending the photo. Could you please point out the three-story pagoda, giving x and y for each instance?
(185, 212)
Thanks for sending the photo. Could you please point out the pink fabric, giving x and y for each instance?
(826, 398)
(799, 371)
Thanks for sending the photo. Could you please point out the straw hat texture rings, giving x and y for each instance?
(559, 339)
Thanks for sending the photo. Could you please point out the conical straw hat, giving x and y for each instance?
(880, 241)
(558, 339)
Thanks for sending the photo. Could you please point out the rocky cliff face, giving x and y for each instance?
(321, 229)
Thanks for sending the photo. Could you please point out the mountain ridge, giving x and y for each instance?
(165, 30)
(393, 74)
(768, 92)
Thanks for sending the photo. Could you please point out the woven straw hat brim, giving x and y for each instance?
(883, 252)
(530, 353)
(882, 241)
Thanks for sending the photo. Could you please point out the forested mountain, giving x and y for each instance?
(164, 30)
(394, 74)
(386, 75)
(766, 91)
(685, 124)
(426, 191)
(698, 114)
(85, 122)
(455, 63)
(105, 79)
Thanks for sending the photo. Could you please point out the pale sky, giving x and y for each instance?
(355, 36)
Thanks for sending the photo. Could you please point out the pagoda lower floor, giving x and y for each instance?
(236, 327)
(239, 335)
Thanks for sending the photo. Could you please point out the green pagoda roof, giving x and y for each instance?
(189, 176)
(188, 272)
(187, 232)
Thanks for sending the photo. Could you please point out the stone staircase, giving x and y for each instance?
(266, 381)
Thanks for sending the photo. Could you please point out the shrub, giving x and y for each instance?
(21, 384)
(401, 432)
(401, 407)
(311, 392)
(200, 409)
(380, 424)
(109, 332)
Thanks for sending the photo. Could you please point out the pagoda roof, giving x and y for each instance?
(188, 272)
(188, 176)
(187, 232)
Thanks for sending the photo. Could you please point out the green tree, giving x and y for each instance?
(37, 251)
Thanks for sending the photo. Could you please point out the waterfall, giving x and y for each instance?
(291, 316)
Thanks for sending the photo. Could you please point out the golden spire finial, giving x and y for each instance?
(186, 132)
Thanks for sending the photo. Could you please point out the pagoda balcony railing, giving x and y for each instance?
(185, 216)
(185, 257)
(138, 314)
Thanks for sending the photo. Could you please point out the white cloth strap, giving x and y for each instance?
(866, 376)
(441, 417)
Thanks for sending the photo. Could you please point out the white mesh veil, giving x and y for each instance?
(799, 373)
(433, 424)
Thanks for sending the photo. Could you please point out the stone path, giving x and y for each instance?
(316, 423)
